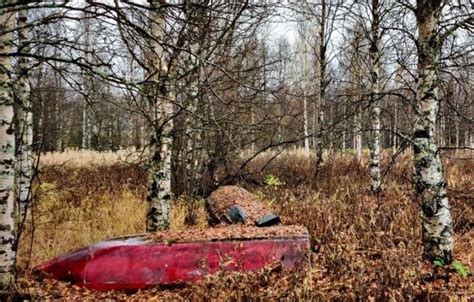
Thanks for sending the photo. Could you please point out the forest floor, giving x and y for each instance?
(364, 247)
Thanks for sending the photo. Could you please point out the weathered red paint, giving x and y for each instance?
(136, 262)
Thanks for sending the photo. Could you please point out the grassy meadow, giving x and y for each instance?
(363, 246)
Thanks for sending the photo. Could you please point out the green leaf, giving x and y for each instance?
(461, 269)
(272, 181)
(260, 195)
(170, 241)
(438, 262)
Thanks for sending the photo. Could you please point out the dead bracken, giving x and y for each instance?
(363, 247)
(227, 197)
(232, 232)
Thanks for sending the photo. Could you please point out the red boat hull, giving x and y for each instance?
(136, 262)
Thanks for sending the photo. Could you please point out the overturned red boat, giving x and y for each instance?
(142, 261)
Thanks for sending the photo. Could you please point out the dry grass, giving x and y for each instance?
(364, 246)
(75, 206)
(81, 158)
(78, 203)
(60, 227)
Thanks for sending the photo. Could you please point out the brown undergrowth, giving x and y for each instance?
(364, 247)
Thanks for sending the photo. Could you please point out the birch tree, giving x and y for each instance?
(375, 96)
(23, 122)
(7, 156)
(322, 84)
(356, 77)
(303, 45)
(325, 12)
(159, 97)
(368, 17)
(196, 15)
(429, 180)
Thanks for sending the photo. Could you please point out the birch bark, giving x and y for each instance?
(193, 137)
(304, 88)
(344, 129)
(196, 17)
(429, 181)
(395, 128)
(7, 158)
(23, 127)
(322, 89)
(358, 133)
(159, 94)
(87, 114)
(375, 99)
(86, 127)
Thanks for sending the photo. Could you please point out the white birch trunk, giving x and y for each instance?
(315, 119)
(344, 129)
(89, 98)
(469, 133)
(375, 100)
(471, 139)
(322, 88)
(305, 101)
(252, 122)
(443, 131)
(429, 181)
(343, 147)
(395, 129)
(7, 159)
(331, 135)
(199, 152)
(58, 114)
(194, 124)
(358, 134)
(86, 131)
(193, 137)
(24, 119)
(159, 94)
(305, 122)
(456, 127)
